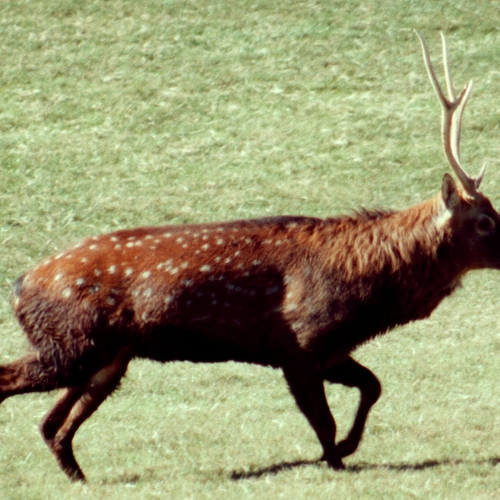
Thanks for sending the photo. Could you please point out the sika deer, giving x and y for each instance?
(291, 292)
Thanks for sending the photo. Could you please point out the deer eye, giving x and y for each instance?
(485, 224)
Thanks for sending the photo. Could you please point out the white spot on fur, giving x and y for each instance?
(175, 270)
(113, 239)
(84, 260)
(111, 301)
(184, 265)
(167, 235)
(220, 241)
(179, 240)
(112, 269)
(256, 262)
(66, 293)
(167, 264)
(205, 269)
(148, 292)
(97, 272)
(148, 237)
(278, 243)
(93, 247)
(118, 247)
(131, 238)
(80, 282)
(146, 274)
(205, 246)
(129, 245)
(58, 276)
(128, 271)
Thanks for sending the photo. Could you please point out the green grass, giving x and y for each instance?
(122, 113)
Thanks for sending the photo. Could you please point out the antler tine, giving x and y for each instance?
(452, 112)
(447, 70)
(480, 177)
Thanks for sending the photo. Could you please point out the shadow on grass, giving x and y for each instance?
(361, 466)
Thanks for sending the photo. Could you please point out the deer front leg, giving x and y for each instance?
(352, 374)
(306, 385)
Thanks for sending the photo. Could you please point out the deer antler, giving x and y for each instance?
(452, 112)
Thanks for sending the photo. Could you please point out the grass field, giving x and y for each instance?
(123, 113)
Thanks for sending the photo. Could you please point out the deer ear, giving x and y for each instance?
(449, 192)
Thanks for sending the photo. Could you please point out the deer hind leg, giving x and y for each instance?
(352, 374)
(73, 407)
(308, 390)
(27, 374)
(53, 421)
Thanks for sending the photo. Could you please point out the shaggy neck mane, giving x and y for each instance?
(381, 242)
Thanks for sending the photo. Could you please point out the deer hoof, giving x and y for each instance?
(335, 461)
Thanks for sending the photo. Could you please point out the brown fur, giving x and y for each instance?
(291, 292)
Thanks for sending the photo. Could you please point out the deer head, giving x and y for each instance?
(471, 213)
